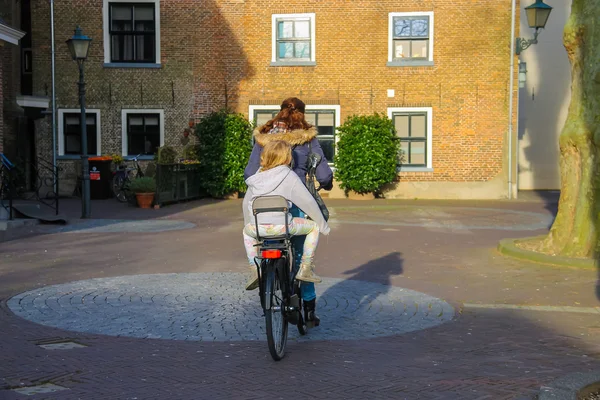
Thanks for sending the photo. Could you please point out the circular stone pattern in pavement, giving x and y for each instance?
(215, 307)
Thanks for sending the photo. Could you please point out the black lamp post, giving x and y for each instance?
(537, 16)
(79, 46)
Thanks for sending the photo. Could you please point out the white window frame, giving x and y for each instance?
(309, 107)
(429, 111)
(124, 112)
(106, 32)
(313, 39)
(61, 130)
(408, 62)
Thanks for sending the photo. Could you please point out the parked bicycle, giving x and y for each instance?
(122, 180)
(279, 291)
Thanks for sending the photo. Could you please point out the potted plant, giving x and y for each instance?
(144, 189)
(368, 154)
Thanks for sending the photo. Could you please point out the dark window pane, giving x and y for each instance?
(143, 131)
(72, 133)
(121, 18)
(122, 48)
(326, 130)
(144, 14)
(72, 144)
(328, 146)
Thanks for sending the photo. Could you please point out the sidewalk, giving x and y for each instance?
(416, 304)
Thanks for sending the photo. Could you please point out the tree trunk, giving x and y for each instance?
(575, 232)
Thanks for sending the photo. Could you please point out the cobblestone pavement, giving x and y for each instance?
(516, 327)
(211, 307)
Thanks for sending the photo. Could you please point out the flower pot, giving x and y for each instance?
(144, 200)
(352, 195)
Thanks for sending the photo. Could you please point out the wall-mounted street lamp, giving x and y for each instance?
(79, 46)
(537, 16)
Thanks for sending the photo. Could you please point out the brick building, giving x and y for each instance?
(9, 51)
(439, 68)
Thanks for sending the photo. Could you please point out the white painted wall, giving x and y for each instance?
(544, 101)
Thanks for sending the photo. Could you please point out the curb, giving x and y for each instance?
(571, 387)
(508, 248)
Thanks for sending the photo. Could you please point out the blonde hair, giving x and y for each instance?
(274, 154)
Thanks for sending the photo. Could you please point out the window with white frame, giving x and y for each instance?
(132, 32)
(324, 117)
(413, 127)
(69, 132)
(410, 38)
(293, 38)
(142, 131)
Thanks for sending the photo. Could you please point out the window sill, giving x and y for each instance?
(71, 157)
(133, 65)
(140, 158)
(293, 64)
(414, 169)
(416, 63)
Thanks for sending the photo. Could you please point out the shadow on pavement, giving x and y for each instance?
(379, 270)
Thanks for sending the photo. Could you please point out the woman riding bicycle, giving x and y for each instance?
(290, 126)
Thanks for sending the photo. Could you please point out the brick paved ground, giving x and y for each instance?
(484, 353)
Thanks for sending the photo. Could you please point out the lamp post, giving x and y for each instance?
(79, 45)
(537, 16)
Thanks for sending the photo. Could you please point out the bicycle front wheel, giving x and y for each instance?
(117, 187)
(275, 316)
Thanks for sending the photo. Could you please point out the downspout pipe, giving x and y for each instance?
(54, 166)
(510, 98)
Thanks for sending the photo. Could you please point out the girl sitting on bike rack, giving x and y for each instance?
(275, 177)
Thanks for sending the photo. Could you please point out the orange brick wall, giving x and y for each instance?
(217, 53)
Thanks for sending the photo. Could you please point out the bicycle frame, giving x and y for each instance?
(272, 248)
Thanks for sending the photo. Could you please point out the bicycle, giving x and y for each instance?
(279, 291)
(122, 180)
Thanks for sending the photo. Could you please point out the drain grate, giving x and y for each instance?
(39, 389)
(61, 346)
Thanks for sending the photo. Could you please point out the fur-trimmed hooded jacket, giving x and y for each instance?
(299, 140)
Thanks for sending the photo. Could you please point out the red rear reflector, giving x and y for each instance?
(271, 254)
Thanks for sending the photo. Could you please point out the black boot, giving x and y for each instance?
(310, 317)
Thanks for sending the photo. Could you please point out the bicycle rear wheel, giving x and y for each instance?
(275, 316)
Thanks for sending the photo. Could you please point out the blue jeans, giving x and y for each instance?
(307, 288)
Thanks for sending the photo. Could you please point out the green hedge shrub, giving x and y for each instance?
(224, 147)
(367, 154)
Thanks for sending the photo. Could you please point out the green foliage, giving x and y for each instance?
(166, 155)
(367, 154)
(190, 152)
(143, 185)
(225, 144)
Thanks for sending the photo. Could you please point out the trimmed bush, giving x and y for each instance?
(224, 147)
(367, 154)
(166, 155)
